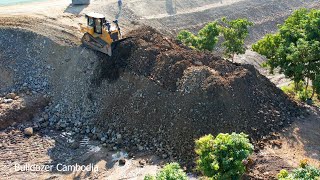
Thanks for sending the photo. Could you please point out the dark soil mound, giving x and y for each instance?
(174, 95)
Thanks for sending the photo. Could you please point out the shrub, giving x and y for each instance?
(149, 177)
(283, 174)
(289, 90)
(297, 91)
(187, 38)
(206, 38)
(304, 94)
(222, 157)
(171, 171)
(304, 172)
(303, 163)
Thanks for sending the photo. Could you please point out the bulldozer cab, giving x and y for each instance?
(96, 21)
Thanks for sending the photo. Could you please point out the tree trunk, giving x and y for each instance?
(313, 91)
(306, 88)
(296, 87)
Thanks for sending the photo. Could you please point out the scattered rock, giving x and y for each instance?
(276, 143)
(46, 117)
(28, 131)
(75, 145)
(8, 101)
(142, 163)
(103, 139)
(11, 96)
(122, 161)
(140, 148)
(164, 156)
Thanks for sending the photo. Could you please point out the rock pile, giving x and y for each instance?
(153, 94)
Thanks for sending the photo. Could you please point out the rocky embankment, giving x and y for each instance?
(153, 95)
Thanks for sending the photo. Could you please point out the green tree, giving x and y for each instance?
(268, 46)
(206, 38)
(234, 33)
(222, 157)
(295, 48)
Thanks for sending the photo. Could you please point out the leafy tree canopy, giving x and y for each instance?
(295, 48)
(234, 33)
(205, 40)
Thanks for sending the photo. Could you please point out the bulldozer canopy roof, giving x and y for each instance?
(95, 15)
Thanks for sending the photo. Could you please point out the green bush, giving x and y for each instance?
(171, 171)
(283, 174)
(149, 177)
(222, 157)
(188, 39)
(289, 90)
(302, 173)
(206, 38)
(297, 91)
(304, 94)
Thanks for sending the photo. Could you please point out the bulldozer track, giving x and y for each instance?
(90, 42)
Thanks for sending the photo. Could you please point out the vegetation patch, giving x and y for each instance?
(171, 171)
(304, 172)
(299, 93)
(223, 157)
(234, 32)
(295, 50)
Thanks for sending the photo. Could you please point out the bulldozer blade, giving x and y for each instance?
(116, 43)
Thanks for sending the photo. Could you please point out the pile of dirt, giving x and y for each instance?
(159, 95)
(153, 94)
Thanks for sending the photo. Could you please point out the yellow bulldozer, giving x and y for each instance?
(100, 34)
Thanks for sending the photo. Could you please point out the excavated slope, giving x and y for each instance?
(154, 94)
(177, 95)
